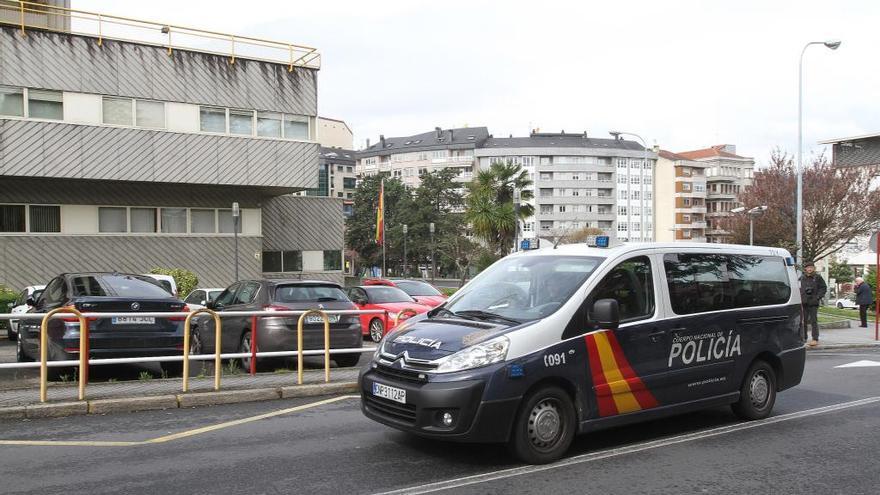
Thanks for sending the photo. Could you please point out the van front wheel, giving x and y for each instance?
(544, 426)
(758, 392)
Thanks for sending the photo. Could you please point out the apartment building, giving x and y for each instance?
(126, 154)
(726, 175)
(409, 157)
(581, 182)
(680, 203)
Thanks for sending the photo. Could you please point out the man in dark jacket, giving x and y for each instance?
(864, 298)
(813, 289)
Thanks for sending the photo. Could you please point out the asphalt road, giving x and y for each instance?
(332, 448)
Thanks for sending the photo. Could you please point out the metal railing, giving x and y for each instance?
(85, 361)
(32, 15)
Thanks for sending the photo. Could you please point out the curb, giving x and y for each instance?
(163, 402)
(853, 345)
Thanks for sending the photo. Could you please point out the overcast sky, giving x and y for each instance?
(683, 74)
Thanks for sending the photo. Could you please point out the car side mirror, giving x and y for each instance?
(606, 314)
(211, 305)
(203, 303)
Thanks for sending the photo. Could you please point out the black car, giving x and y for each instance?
(279, 333)
(118, 336)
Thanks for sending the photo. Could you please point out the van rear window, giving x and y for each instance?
(712, 282)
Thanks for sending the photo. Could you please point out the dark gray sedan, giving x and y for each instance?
(279, 333)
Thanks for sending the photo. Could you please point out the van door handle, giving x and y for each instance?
(655, 335)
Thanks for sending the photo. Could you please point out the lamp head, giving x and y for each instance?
(738, 209)
(832, 44)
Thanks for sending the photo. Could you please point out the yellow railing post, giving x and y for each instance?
(187, 330)
(44, 350)
(299, 344)
(21, 9)
(100, 35)
(401, 313)
(232, 38)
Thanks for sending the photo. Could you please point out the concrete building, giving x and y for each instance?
(581, 182)
(408, 158)
(128, 154)
(680, 204)
(726, 175)
(333, 133)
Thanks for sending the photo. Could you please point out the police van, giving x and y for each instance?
(547, 344)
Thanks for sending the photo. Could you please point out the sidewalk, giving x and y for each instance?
(847, 337)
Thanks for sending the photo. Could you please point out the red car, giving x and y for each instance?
(422, 292)
(390, 299)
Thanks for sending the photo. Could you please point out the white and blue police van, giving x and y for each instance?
(547, 344)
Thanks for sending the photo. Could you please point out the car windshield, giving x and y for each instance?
(308, 293)
(36, 295)
(379, 294)
(212, 294)
(165, 285)
(523, 288)
(120, 285)
(415, 288)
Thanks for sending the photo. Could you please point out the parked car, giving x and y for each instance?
(389, 299)
(279, 333)
(166, 281)
(199, 298)
(848, 301)
(422, 292)
(119, 336)
(20, 305)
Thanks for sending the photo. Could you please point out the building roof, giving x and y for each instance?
(671, 156)
(338, 155)
(560, 140)
(717, 151)
(438, 139)
(853, 138)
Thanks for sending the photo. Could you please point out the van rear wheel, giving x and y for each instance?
(544, 426)
(758, 393)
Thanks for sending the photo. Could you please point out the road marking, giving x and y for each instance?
(176, 436)
(630, 449)
(864, 363)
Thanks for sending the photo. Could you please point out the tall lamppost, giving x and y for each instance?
(516, 201)
(433, 272)
(833, 45)
(752, 213)
(642, 216)
(405, 231)
(236, 215)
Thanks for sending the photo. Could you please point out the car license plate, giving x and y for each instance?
(319, 319)
(134, 320)
(390, 393)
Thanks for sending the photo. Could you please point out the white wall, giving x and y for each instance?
(182, 117)
(251, 221)
(313, 261)
(82, 108)
(79, 219)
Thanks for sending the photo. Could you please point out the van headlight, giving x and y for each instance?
(486, 353)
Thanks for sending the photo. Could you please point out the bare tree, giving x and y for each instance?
(572, 236)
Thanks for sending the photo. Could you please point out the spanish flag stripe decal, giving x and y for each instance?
(618, 389)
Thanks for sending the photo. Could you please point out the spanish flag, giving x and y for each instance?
(380, 215)
(618, 389)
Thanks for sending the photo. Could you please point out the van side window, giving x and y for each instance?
(714, 282)
(632, 285)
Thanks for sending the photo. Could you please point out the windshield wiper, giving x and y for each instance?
(485, 315)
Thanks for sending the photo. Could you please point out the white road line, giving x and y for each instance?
(630, 449)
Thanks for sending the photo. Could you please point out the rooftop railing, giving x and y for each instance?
(31, 15)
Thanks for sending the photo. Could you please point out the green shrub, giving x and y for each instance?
(7, 295)
(186, 280)
(448, 291)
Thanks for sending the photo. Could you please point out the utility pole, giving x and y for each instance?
(405, 231)
(433, 266)
(236, 216)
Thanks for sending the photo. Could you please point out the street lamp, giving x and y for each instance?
(516, 201)
(833, 45)
(405, 231)
(752, 213)
(433, 269)
(236, 214)
(642, 216)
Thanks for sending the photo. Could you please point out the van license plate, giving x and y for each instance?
(134, 320)
(319, 319)
(390, 393)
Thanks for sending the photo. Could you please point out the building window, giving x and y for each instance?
(150, 114)
(12, 218)
(347, 210)
(272, 261)
(112, 220)
(528, 226)
(621, 210)
(212, 119)
(332, 260)
(116, 111)
(202, 221)
(226, 222)
(241, 122)
(349, 182)
(269, 124)
(142, 220)
(296, 127)
(45, 218)
(546, 209)
(11, 101)
(561, 208)
(621, 226)
(44, 104)
(173, 220)
(291, 261)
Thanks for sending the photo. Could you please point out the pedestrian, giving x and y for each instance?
(813, 289)
(864, 298)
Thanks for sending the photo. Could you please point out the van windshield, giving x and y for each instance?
(522, 288)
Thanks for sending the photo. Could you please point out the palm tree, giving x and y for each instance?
(490, 204)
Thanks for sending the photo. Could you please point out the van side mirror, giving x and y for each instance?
(211, 305)
(606, 314)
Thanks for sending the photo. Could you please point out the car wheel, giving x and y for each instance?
(20, 355)
(347, 360)
(544, 427)
(245, 347)
(377, 330)
(758, 392)
(840, 305)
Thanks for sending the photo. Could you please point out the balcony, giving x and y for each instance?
(453, 161)
(691, 209)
